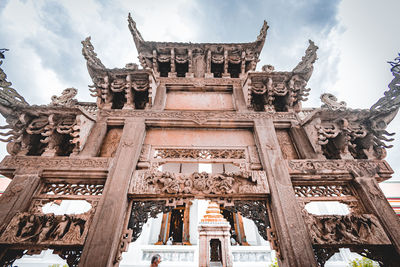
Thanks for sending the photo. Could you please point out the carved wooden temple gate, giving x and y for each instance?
(190, 104)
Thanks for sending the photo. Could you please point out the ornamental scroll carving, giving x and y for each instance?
(348, 229)
(322, 255)
(199, 183)
(47, 229)
(141, 211)
(255, 210)
(71, 256)
(165, 153)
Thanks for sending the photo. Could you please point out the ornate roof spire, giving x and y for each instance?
(305, 67)
(137, 37)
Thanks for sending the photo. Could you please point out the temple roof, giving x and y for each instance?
(147, 46)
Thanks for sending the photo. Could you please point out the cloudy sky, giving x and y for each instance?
(355, 39)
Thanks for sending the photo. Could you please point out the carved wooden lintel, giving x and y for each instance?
(198, 117)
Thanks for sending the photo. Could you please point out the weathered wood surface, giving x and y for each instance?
(105, 232)
(294, 240)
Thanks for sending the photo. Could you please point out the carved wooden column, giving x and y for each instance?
(18, 194)
(208, 73)
(243, 65)
(294, 240)
(226, 62)
(190, 73)
(105, 232)
(375, 201)
(172, 62)
(95, 139)
(186, 222)
(155, 63)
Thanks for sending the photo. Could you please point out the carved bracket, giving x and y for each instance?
(322, 255)
(141, 212)
(255, 210)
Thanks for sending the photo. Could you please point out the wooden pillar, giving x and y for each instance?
(243, 65)
(162, 238)
(208, 73)
(186, 223)
(155, 62)
(105, 231)
(294, 241)
(375, 202)
(226, 62)
(190, 73)
(18, 195)
(172, 62)
(95, 139)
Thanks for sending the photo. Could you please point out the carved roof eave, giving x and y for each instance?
(97, 69)
(149, 46)
(353, 115)
(95, 73)
(37, 111)
(261, 74)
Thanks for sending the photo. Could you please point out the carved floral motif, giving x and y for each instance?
(141, 211)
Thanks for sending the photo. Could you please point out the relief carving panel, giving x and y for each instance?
(348, 229)
(47, 229)
(199, 183)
